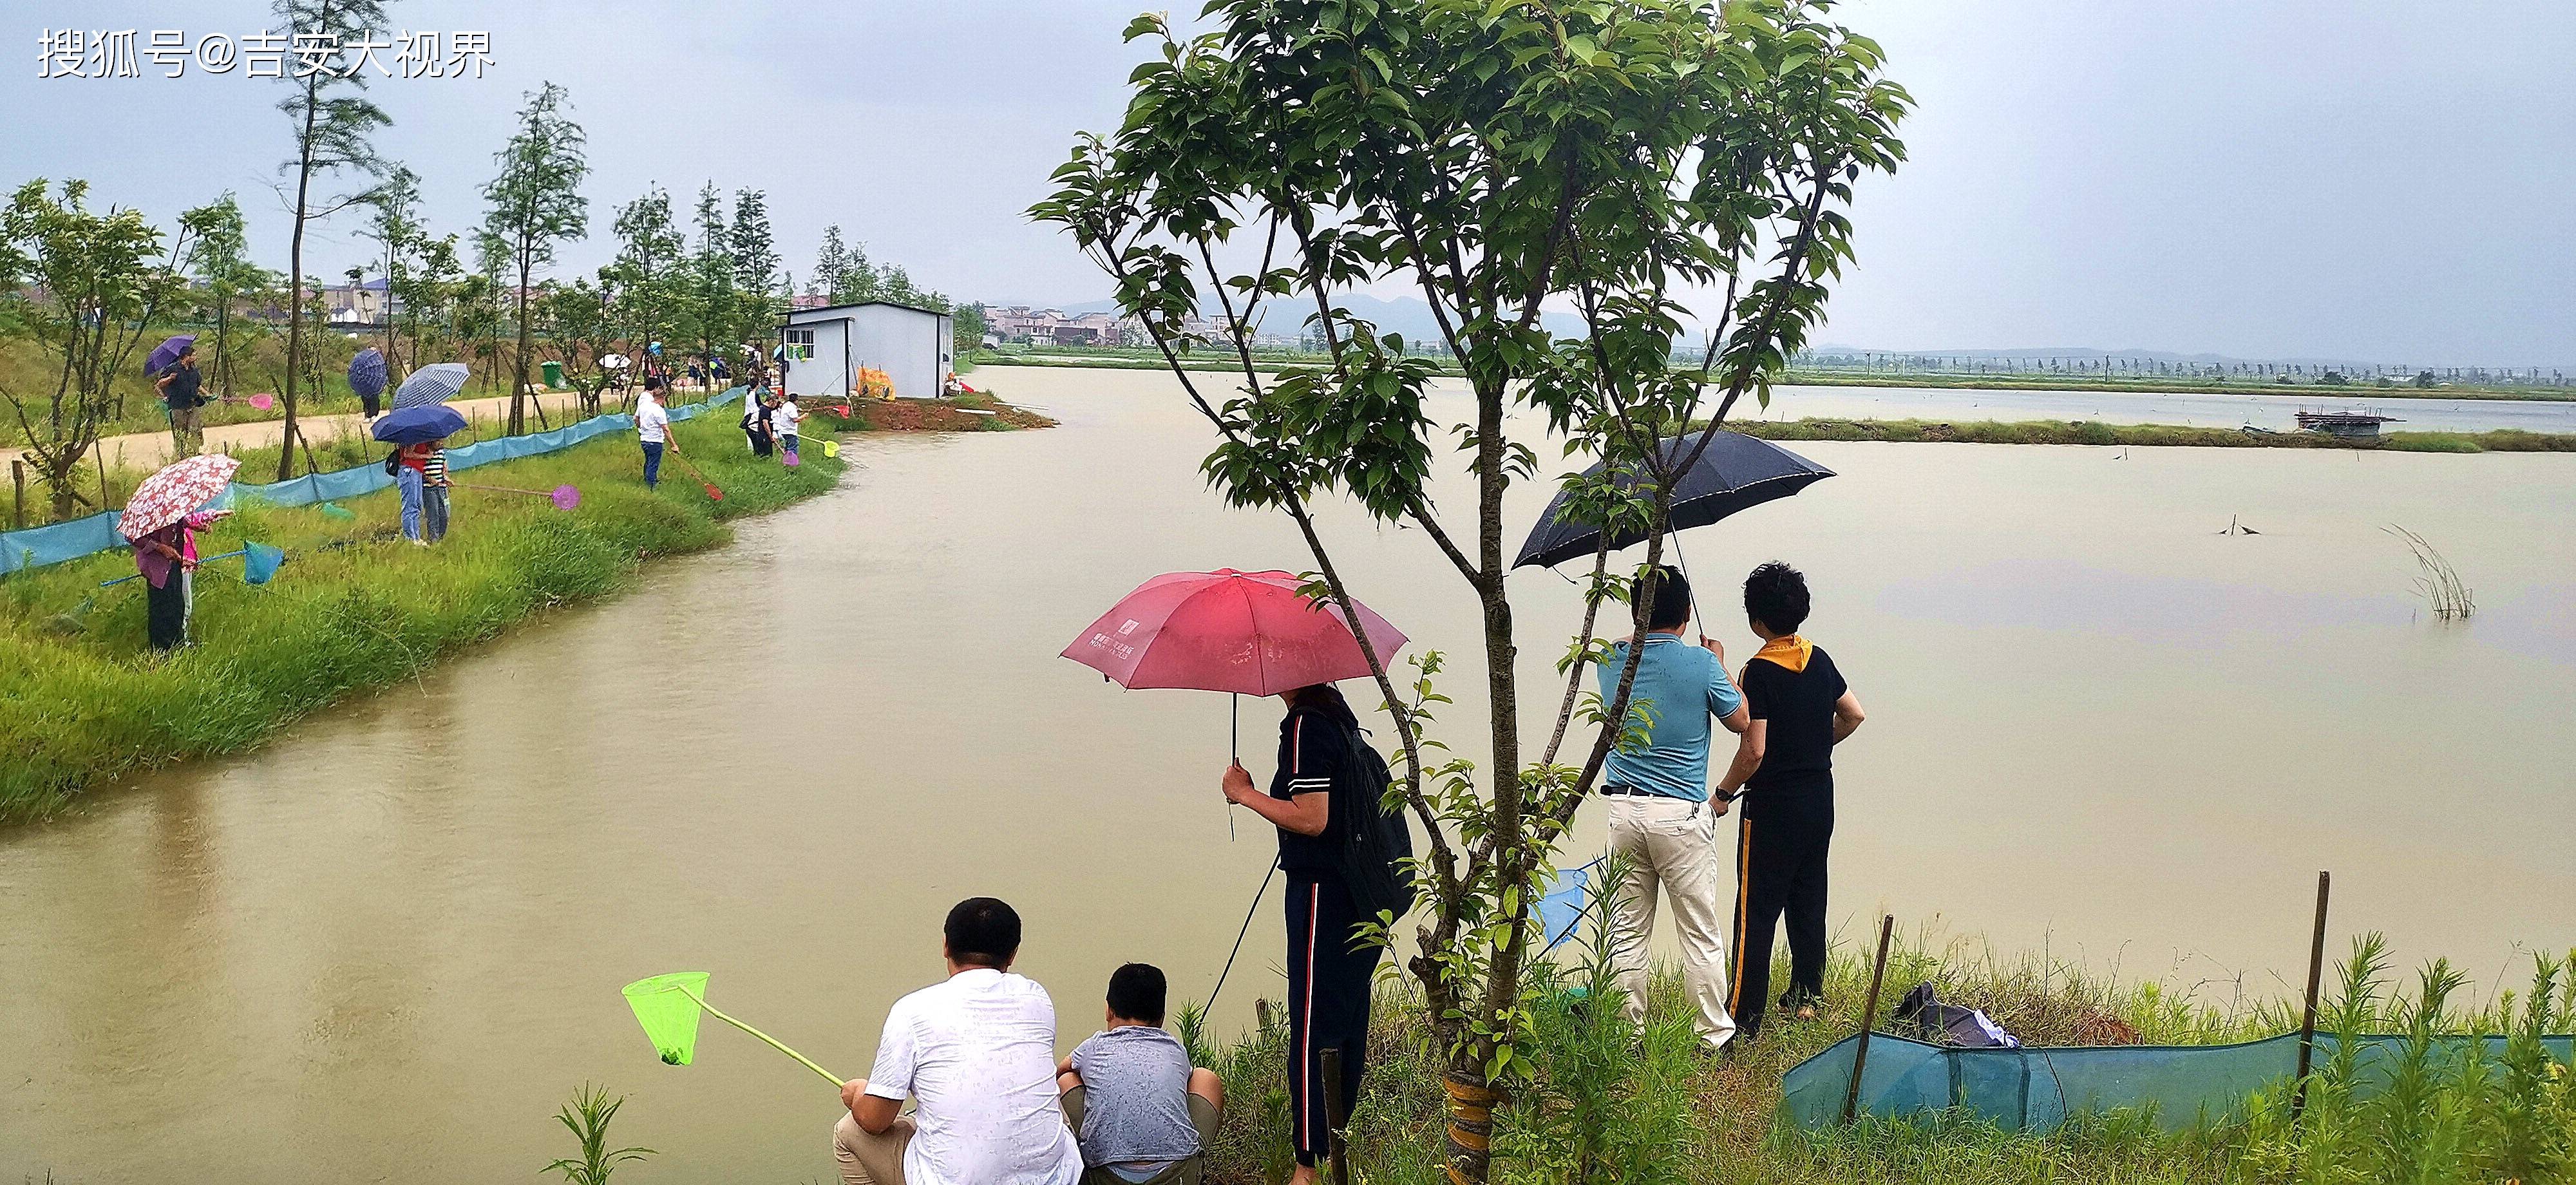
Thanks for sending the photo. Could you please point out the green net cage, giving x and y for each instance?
(669, 1014)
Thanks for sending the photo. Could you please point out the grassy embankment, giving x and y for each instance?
(2146, 435)
(1607, 1106)
(1282, 361)
(355, 608)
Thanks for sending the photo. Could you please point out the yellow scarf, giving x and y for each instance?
(1790, 652)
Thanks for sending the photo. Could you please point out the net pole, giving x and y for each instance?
(2308, 1015)
(1868, 1018)
(772, 1042)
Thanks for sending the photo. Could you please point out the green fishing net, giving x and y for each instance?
(669, 1016)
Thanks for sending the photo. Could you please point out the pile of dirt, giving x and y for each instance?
(972, 414)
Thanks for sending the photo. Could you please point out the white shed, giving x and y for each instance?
(827, 347)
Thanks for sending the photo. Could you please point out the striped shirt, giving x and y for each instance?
(433, 470)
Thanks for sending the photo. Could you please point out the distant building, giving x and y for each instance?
(366, 303)
(827, 347)
(1055, 327)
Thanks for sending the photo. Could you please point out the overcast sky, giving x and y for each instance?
(2388, 180)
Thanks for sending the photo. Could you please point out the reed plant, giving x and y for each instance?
(354, 609)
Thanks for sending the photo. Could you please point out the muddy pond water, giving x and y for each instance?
(387, 944)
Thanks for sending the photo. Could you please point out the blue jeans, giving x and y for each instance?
(652, 463)
(407, 479)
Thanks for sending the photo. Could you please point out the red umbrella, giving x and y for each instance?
(1251, 633)
(1247, 632)
(175, 493)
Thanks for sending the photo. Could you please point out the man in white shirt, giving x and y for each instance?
(977, 1055)
(653, 430)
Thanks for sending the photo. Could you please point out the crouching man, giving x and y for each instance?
(976, 1054)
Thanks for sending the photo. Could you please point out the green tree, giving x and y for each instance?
(221, 260)
(395, 227)
(332, 120)
(581, 325)
(755, 270)
(536, 203)
(1494, 156)
(712, 310)
(426, 289)
(647, 283)
(831, 267)
(87, 286)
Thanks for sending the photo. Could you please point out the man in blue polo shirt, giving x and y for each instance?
(1661, 823)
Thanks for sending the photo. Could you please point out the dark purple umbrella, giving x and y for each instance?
(167, 352)
(367, 373)
(417, 425)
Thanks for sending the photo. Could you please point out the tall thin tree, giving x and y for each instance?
(711, 282)
(395, 227)
(537, 203)
(332, 120)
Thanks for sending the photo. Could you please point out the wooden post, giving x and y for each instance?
(1868, 1019)
(1333, 1118)
(2308, 1018)
(18, 480)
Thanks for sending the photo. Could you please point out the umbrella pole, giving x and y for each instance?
(1683, 562)
(1234, 756)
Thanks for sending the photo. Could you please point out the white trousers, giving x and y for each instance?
(1670, 848)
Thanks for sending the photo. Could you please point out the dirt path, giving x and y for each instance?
(141, 450)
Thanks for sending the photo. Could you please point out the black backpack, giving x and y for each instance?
(1375, 842)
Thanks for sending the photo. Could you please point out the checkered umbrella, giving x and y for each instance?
(367, 373)
(431, 384)
(175, 493)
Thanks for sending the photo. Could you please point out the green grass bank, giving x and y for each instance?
(1610, 1104)
(355, 608)
(2146, 435)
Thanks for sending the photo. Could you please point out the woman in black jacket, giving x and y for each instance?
(1329, 973)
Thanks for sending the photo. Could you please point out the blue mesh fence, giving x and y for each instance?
(37, 547)
(2037, 1089)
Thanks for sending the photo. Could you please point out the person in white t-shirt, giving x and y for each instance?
(653, 430)
(976, 1054)
(782, 425)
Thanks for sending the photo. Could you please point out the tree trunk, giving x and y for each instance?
(519, 361)
(295, 285)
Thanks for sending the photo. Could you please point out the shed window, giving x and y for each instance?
(800, 345)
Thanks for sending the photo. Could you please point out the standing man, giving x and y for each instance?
(1661, 822)
(653, 430)
(976, 1054)
(181, 389)
(1801, 709)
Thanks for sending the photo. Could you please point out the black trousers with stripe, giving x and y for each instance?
(1779, 869)
(1329, 978)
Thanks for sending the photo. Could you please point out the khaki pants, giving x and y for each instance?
(868, 1159)
(1203, 1116)
(1671, 845)
(185, 436)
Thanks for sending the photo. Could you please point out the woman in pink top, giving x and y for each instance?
(167, 558)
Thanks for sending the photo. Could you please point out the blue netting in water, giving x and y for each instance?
(2037, 1089)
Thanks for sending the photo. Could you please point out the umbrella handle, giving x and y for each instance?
(1234, 756)
(1683, 562)
(808, 1063)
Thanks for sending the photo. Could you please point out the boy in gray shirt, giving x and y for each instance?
(1142, 1113)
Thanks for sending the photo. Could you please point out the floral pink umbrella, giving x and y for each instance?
(175, 493)
(1251, 633)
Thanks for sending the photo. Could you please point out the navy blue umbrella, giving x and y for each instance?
(1736, 472)
(367, 373)
(416, 425)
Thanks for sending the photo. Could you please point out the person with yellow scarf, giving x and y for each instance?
(1784, 770)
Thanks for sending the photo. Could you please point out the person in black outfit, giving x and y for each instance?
(1329, 973)
(1784, 767)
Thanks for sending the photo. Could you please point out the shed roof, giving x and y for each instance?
(812, 314)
